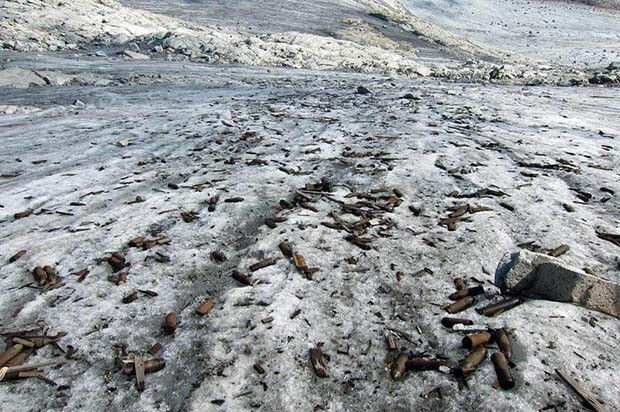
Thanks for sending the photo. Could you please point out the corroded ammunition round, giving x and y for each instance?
(241, 278)
(469, 364)
(17, 256)
(399, 367)
(150, 366)
(476, 290)
(286, 249)
(460, 305)
(10, 353)
(450, 322)
(502, 370)
(130, 298)
(476, 339)
(503, 343)
(39, 275)
(170, 324)
(499, 307)
(459, 283)
(424, 364)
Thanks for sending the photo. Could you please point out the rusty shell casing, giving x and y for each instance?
(471, 362)
(502, 370)
(17, 256)
(20, 358)
(136, 242)
(318, 362)
(49, 271)
(476, 290)
(131, 297)
(460, 305)
(241, 278)
(499, 307)
(119, 256)
(150, 366)
(39, 275)
(503, 343)
(10, 353)
(262, 264)
(399, 366)
(170, 324)
(205, 307)
(115, 263)
(474, 340)
(121, 278)
(389, 341)
(424, 364)
(300, 262)
(286, 249)
(459, 284)
(450, 322)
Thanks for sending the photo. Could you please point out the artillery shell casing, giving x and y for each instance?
(150, 366)
(27, 343)
(285, 204)
(262, 264)
(241, 278)
(450, 322)
(39, 275)
(116, 264)
(23, 214)
(499, 307)
(471, 362)
(399, 367)
(476, 290)
(459, 283)
(205, 307)
(502, 370)
(476, 339)
(389, 340)
(460, 305)
(170, 324)
(270, 223)
(424, 364)
(10, 353)
(286, 249)
(503, 343)
(17, 256)
(300, 262)
(131, 297)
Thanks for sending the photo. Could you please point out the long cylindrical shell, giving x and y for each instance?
(476, 339)
(476, 290)
(460, 305)
(424, 364)
(205, 307)
(20, 358)
(469, 364)
(17, 256)
(241, 278)
(503, 343)
(300, 262)
(502, 370)
(150, 366)
(499, 307)
(286, 249)
(450, 322)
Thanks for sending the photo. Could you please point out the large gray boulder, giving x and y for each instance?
(541, 276)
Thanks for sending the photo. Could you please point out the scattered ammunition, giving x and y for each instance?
(424, 364)
(241, 278)
(476, 290)
(300, 262)
(258, 367)
(262, 264)
(503, 343)
(286, 249)
(173, 186)
(20, 358)
(39, 275)
(459, 283)
(10, 353)
(476, 339)
(389, 340)
(150, 366)
(218, 256)
(170, 324)
(266, 320)
(130, 298)
(139, 370)
(22, 215)
(136, 242)
(499, 307)
(469, 364)
(116, 261)
(234, 200)
(318, 362)
(205, 307)
(559, 251)
(502, 370)
(270, 223)
(399, 366)
(285, 204)
(568, 207)
(450, 322)
(155, 349)
(16, 256)
(460, 305)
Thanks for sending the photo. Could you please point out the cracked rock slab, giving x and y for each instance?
(544, 277)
